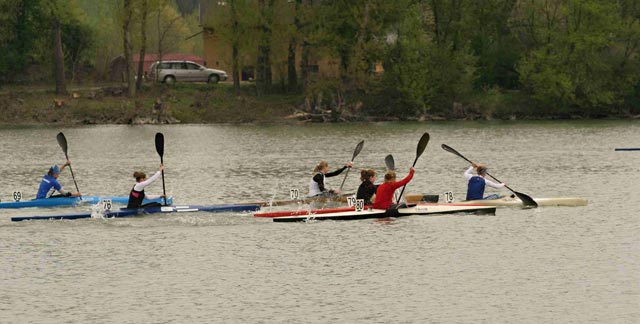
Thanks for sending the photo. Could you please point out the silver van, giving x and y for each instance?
(184, 71)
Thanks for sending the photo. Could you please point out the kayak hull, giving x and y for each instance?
(73, 201)
(542, 202)
(143, 211)
(418, 210)
(509, 201)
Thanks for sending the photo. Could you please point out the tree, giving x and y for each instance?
(127, 15)
(263, 64)
(144, 13)
(574, 44)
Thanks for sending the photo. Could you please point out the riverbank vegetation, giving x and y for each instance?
(403, 59)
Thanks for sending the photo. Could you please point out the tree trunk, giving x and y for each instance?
(128, 56)
(235, 52)
(263, 66)
(291, 66)
(143, 46)
(304, 64)
(58, 58)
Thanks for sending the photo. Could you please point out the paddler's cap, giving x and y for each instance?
(482, 169)
(55, 169)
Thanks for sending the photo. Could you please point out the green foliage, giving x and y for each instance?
(575, 65)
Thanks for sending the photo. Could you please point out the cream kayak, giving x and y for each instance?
(513, 201)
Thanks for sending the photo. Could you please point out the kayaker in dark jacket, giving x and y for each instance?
(137, 194)
(367, 189)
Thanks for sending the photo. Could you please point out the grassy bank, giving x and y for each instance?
(108, 104)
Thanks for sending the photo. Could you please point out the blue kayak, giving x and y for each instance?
(73, 201)
(150, 210)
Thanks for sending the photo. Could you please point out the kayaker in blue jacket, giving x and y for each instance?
(49, 184)
(137, 195)
(321, 171)
(476, 184)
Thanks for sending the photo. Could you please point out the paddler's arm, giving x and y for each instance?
(467, 174)
(64, 165)
(493, 184)
(141, 185)
(337, 172)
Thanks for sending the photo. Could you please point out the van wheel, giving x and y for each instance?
(169, 79)
(214, 78)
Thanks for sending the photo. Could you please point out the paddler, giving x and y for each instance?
(476, 184)
(367, 189)
(384, 194)
(49, 184)
(137, 194)
(316, 184)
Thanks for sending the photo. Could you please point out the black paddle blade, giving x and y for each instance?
(451, 150)
(422, 145)
(160, 144)
(62, 141)
(526, 200)
(391, 164)
(357, 150)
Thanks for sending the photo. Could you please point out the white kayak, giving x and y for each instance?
(513, 201)
(542, 202)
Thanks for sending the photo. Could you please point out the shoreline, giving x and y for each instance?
(208, 104)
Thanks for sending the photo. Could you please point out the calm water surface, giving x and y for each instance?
(545, 265)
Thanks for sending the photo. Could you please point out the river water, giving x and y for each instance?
(545, 265)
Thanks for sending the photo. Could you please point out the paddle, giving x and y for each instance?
(355, 153)
(160, 150)
(388, 160)
(422, 144)
(62, 141)
(526, 200)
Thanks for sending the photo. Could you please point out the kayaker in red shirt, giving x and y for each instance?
(384, 194)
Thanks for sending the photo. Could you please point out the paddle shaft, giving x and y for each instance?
(355, 153)
(62, 141)
(422, 145)
(160, 150)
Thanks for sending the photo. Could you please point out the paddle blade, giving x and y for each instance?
(526, 200)
(160, 144)
(357, 150)
(422, 145)
(62, 141)
(391, 164)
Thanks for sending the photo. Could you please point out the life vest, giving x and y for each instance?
(475, 188)
(135, 198)
(314, 187)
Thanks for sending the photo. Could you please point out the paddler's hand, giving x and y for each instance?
(67, 163)
(474, 165)
(350, 164)
(161, 167)
(76, 194)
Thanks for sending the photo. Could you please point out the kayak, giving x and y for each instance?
(349, 213)
(73, 201)
(509, 201)
(124, 212)
(303, 212)
(306, 200)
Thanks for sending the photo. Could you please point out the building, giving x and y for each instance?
(217, 50)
